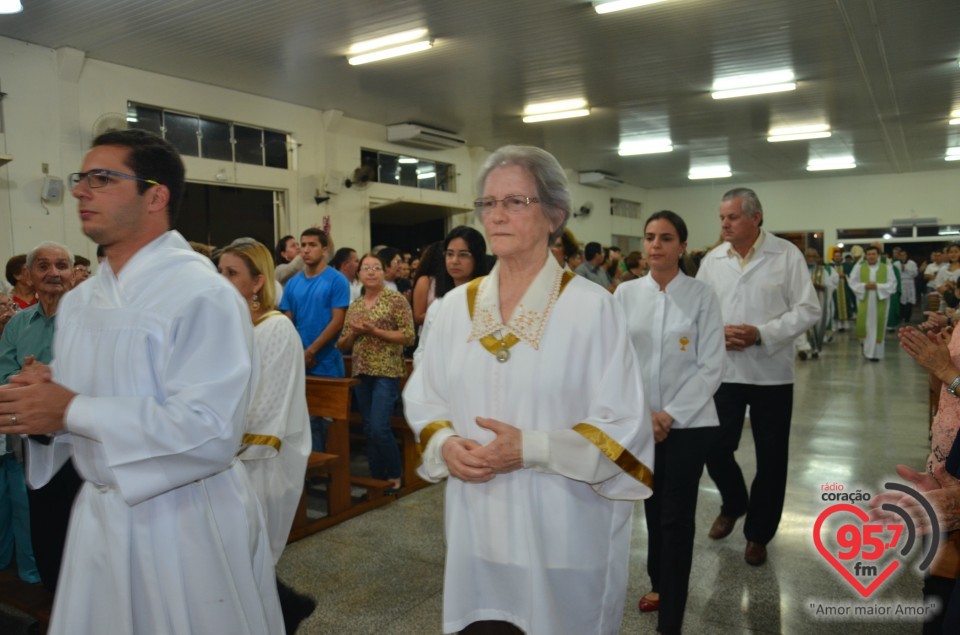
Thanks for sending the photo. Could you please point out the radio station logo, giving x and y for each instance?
(866, 551)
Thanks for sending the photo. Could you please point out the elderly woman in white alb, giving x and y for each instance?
(529, 399)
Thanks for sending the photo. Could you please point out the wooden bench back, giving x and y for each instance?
(329, 397)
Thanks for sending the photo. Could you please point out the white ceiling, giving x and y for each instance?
(882, 73)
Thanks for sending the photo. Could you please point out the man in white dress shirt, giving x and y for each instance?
(150, 383)
(767, 300)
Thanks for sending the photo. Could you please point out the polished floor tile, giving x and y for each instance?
(854, 420)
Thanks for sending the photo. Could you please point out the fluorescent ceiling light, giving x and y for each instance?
(568, 114)
(10, 6)
(833, 163)
(955, 118)
(427, 175)
(710, 172)
(953, 154)
(408, 160)
(796, 133)
(387, 41)
(549, 111)
(396, 51)
(555, 106)
(755, 84)
(648, 146)
(948, 231)
(621, 5)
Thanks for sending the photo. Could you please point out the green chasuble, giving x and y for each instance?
(881, 304)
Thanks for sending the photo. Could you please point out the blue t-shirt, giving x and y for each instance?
(311, 302)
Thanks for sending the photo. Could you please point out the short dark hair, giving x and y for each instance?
(14, 266)
(80, 260)
(341, 256)
(674, 219)
(871, 248)
(151, 158)
(313, 231)
(591, 250)
(386, 256)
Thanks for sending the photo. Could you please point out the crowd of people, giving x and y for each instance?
(554, 385)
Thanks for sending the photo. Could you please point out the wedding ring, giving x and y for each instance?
(13, 420)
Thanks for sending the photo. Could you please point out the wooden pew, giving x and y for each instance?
(330, 397)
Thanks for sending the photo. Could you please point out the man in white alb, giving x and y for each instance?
(150, 383)
(873, 282)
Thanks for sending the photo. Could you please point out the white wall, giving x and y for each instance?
(49, 118)
(822, 204)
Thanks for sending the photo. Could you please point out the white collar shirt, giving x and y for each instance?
(678, 336)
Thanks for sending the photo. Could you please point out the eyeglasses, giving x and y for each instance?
(460, 255)
(514, 204)
(101, 178)
(371, 268)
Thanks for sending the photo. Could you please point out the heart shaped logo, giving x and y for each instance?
(859, 545)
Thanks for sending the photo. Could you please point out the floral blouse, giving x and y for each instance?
(372, 355)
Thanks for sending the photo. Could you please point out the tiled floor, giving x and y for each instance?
(853, 422)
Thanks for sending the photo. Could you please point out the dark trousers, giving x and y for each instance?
(671, 518)
(770, 411)
(50, 508)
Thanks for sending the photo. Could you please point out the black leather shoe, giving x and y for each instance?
(755, 554)
(722, 526)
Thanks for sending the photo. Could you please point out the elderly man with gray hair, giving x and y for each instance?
(767, 300)
(29, 336)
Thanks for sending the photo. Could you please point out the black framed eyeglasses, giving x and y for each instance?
(101, 178)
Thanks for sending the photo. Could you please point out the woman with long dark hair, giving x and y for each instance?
(464, 254)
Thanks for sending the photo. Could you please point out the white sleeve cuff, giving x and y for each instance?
(536, 448)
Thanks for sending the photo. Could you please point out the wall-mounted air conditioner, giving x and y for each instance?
(599, 179)
(910, 222)
(419, 136)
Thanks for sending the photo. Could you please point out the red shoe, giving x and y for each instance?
(648, 604)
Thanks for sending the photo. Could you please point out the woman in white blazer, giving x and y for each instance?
(677, 329)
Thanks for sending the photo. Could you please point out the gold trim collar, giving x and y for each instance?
(529, 320)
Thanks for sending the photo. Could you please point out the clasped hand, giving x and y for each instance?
(469, 461)
(32, 403)
(929, 350)
(940, 489)
(739, 337)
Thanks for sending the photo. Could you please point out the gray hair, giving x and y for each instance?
(750, 202)
(546, 172)
(47, 244)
